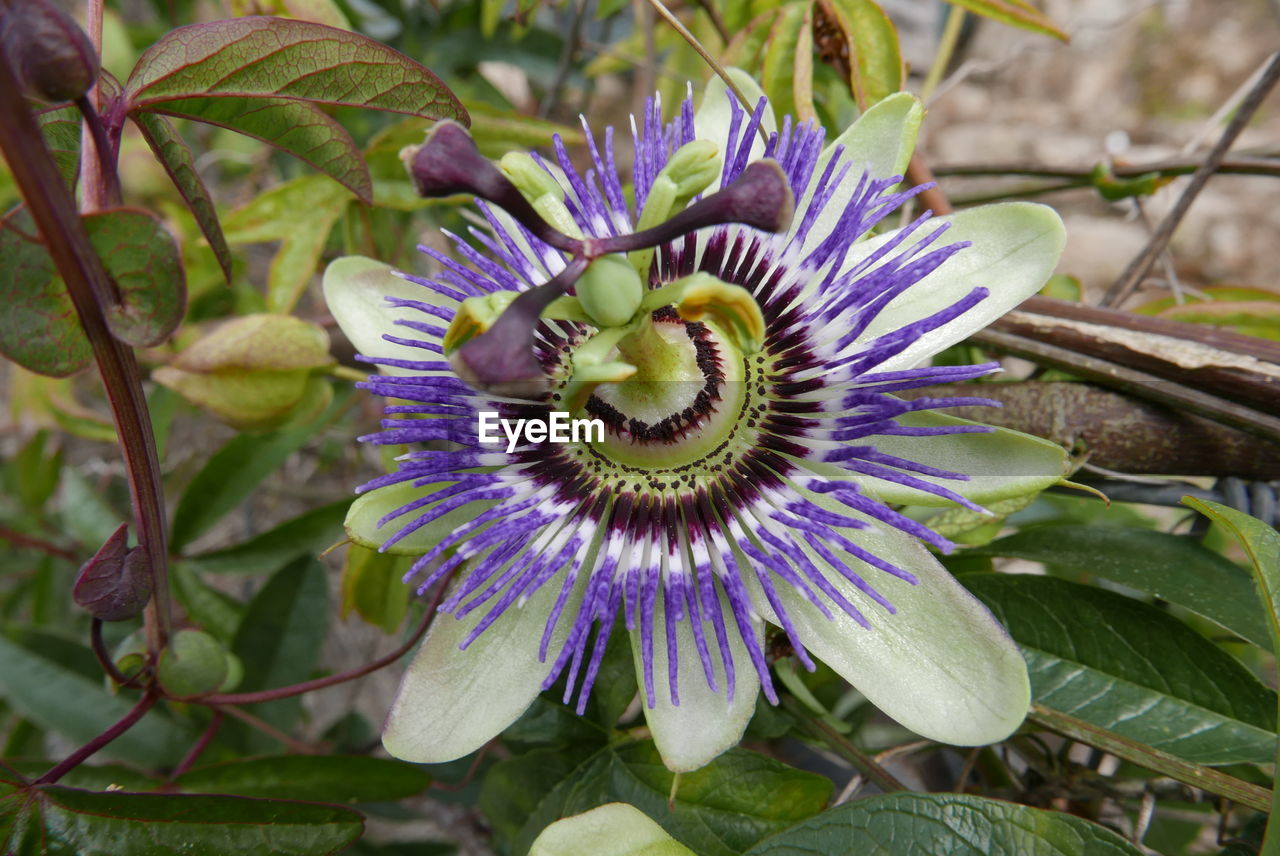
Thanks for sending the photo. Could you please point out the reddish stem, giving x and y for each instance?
(21, 540)
(55, 214)
(343, 677)
(200, 745)
(82, 754)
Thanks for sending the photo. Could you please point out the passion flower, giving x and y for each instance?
(753, 455)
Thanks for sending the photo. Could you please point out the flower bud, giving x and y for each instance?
(693, 167)
(610, 291)
(194, 663)
(254, 373)
(116, 583)
(47, 50)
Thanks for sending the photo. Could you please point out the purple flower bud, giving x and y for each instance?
(116, 583)
(449, 162)
(47, 50)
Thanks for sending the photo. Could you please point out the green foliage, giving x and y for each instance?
(1131, 668)
(272, 146)
(954, 824)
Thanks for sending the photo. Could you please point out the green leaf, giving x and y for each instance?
(177, 159)
(304, 535)
(1262, 544)
(98, 824)
(61, 129)
(1129, 667)
(721, 809)
(61, 700)
(1171, 567)
(1014, 13)
(875, 64)
(372, 587)
(299, 214)
(230, 475)
(244, 61)
(39, 329)
(907, 824)
(145, 266)
(787, 74)
(210, 609)
(336, 779)
(280, 638)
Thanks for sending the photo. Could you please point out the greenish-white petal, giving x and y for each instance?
(705, 723)
(879, 142)
(356, 288)
(613, 829)
(451, 701)
(711, 121)
(363, 516)
(1001, 464)
(1015, 246)
(941, 665)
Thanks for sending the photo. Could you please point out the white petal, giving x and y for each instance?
(1000, 465)
(451, 702)
(613, 829)
(705, 723)
(879, 143)
(941, 666)
(711, 121)
(1015, 248)
(356, 288)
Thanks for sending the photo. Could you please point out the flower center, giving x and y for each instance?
(682, 402)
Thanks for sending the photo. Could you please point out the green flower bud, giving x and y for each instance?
(530, 179)
(254, 373)
(130, 655)
(194, 663)
(610, 291)
(693, 168)
(235, 674)
(543, 192)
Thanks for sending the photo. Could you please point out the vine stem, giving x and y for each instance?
(1205, 778)
(200, 745)
(82, 754)
(343, 677)
(679, 27)
(865, 764)
(94, 172)
(55, 215)
(1137, 269)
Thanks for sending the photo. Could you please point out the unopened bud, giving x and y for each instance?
(47, 50)
(449, 162)
(194, 663)
(116, 583)
(693, 167)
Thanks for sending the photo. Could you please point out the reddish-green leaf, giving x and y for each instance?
(335, 779)
(875, 64)
(175, 156)
(1015, 13)
(56, 819)
(298, 127)
(39, 328)
(145, 265)
(259, 65)
(61, 129)
(263, 57)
